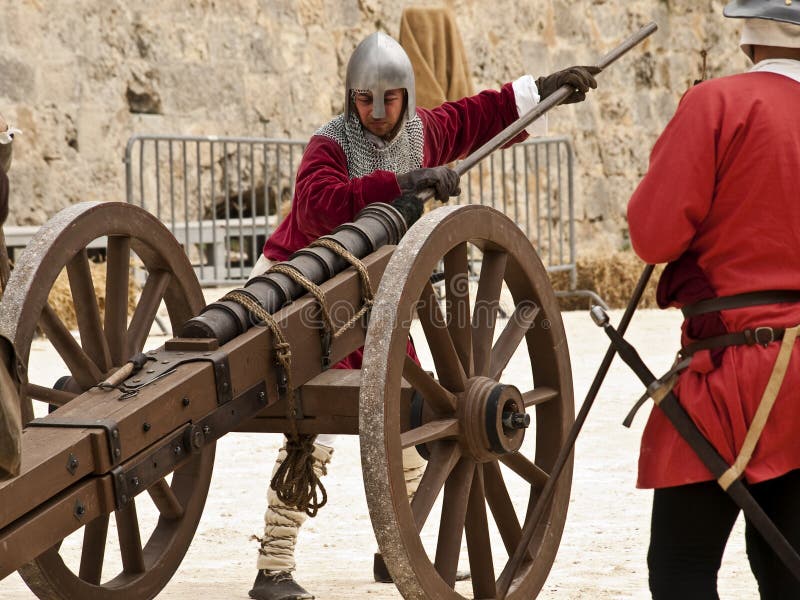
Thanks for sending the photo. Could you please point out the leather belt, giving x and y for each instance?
(740, 301)
(748, 337)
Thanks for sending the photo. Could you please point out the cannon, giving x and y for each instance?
(130, 432)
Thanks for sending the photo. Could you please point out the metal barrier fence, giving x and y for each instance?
(222, 196)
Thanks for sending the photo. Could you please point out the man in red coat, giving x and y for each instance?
(720, 204)
(382, 149)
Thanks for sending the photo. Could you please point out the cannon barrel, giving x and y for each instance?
(375, 226)
(130, 434)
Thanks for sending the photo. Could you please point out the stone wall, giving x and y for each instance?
(81, 76)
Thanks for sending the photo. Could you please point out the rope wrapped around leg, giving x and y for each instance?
(295, 481)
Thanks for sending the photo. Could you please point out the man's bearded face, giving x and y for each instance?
(393, 102)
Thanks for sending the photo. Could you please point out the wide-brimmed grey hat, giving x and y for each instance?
(787, 11)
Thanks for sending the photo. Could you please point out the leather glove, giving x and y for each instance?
(580, 78)
(443, 180)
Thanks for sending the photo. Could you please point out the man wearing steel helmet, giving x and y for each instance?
(719, 204)
(383, 148)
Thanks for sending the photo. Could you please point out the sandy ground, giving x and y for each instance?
(602, 553)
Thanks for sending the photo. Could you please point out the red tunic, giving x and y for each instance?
(721, 194)
(325, 196)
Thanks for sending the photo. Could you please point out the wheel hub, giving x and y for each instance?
(492, 418)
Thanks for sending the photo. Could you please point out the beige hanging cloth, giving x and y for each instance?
(432, 41)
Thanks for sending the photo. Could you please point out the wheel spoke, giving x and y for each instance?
(93, 551)
(165, 500)
(444, 457)
(46, 394)
(82, 368)
(454, 513)
(432, 392)
(448, 365)
(456, 280)
(479, 545)
(146, 309)
(435, 430)
(501, 506)
(513, 333)
(539, 396)
(525, 469)
(87, 311)
(130, 541)
(118, 258)
(487, 304)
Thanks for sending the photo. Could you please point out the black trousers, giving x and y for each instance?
(691, 525)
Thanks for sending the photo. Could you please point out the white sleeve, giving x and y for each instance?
(526, 95)
(7, 136)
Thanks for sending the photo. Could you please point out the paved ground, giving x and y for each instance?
(602, 551)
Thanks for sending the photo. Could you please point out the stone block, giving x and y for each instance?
(18, 79)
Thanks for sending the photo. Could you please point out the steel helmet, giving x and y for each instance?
(787, 11)
(378, 64)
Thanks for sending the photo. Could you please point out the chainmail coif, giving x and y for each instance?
(400, 155)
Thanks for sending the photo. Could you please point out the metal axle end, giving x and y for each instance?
(512, 420)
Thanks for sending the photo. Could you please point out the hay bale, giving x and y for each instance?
(60, 297)
(612, 276)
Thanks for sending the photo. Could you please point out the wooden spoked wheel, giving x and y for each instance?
(472, 424)
(154, 530)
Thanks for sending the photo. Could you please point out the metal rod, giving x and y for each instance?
(573, 274)
(560, 195)
(200, 207)
(253, 210)
(141, 174)
(187, 248)
(240, 208)
(538, 199)
(171, 189)
(158, 182)
(227, 198)
(549, 203)
(526, 178)
(564, 454)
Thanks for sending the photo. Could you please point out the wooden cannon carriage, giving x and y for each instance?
(148, 441)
